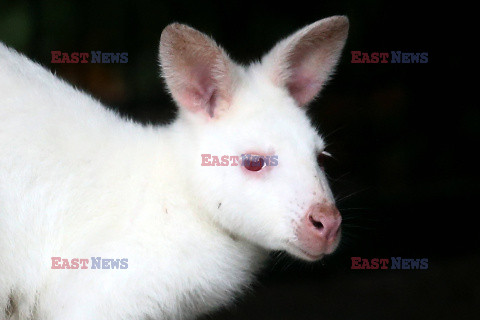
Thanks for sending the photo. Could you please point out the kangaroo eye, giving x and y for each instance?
(254, 163)
(321, 157)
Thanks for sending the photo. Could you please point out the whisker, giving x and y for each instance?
(351, 195)
(338, 179)
(334, 131)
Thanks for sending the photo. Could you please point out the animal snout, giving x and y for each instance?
(319, 230)
(325, 220)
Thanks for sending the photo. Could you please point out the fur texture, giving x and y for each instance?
(78, 181)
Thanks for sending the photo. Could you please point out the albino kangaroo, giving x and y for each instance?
(79, 185)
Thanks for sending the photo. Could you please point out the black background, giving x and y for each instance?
(404, 137)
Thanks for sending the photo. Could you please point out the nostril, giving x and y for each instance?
(316, 224)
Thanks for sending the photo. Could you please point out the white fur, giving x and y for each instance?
(78, 181)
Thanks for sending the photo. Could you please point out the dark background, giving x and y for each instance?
(404, 137)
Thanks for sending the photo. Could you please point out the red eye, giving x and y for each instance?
(254, 164)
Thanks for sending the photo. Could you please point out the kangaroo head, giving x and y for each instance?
(278, 198)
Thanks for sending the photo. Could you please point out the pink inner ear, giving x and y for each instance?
(307, 77)
(303, 87)
(199, 92)
(197, 71)
(304, 61)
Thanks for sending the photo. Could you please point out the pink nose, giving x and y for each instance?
(319, 229)
(325, 220)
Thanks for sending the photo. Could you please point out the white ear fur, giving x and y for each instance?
(198, 73)
(304, 61)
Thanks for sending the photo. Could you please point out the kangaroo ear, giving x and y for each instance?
(198, 73)
(304, 61)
